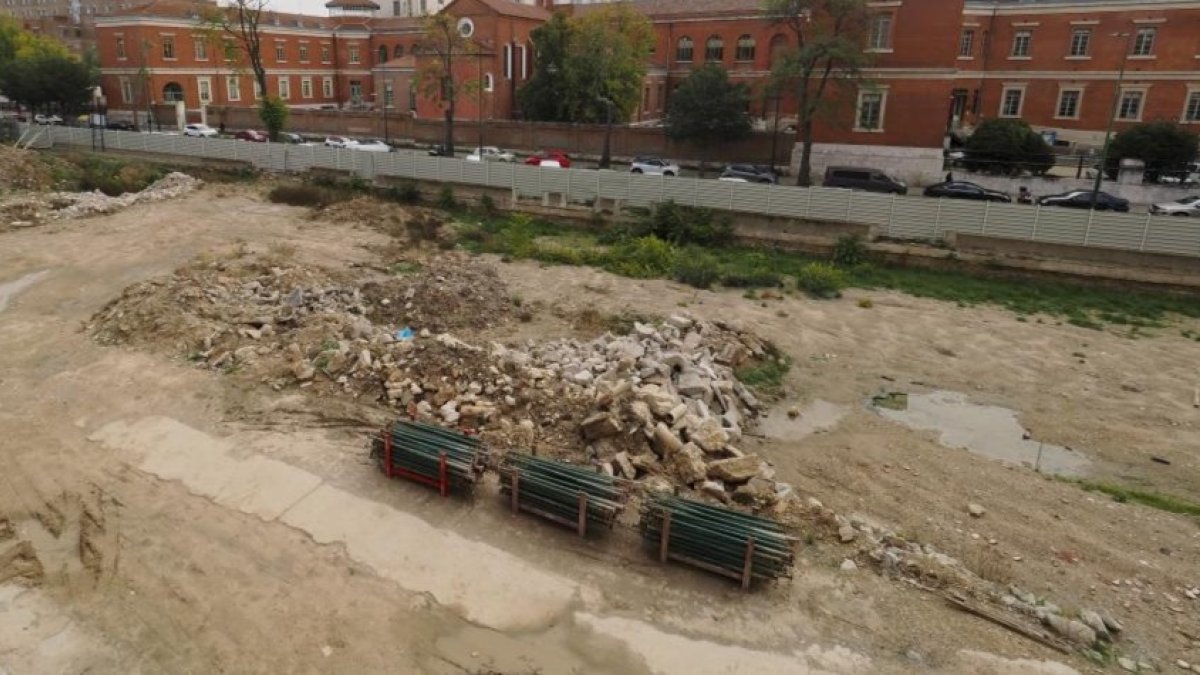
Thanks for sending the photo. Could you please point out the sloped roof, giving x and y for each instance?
(508, 8)
(183, 9)
(352, 4)
(654, 8)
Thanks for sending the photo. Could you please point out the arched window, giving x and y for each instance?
(714, 49)
(383, 54)
(683, 52)
(172, 92)
(398, 51)
(489, 83)
(745, 48)
(779, 45)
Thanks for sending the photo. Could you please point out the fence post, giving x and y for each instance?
(770, 189)
(1145, 233)
(987, 208)
(849, 204)
(732, 189)
(1087, 231)
(1037, 220)
(808, 195)
(891, 214)
(937, 218)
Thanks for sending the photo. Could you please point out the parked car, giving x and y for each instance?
(654, 166)
(1082, 199)
(1188, 206)
(198, 130)
(440, 151)
(491, 153)
(544, 156)
(251, 136)
(337, 141)
(751, 173)
(869, 180)
(47, 119)
(121, 125)
(369, 145)
(961, 189)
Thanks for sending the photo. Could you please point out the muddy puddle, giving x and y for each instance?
(11, 289)
(989, 431)
(814, 417)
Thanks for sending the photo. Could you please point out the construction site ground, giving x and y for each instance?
(185, 520)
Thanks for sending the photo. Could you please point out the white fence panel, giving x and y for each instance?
(475, 173)
(614, 185)
(829, 204)
(718, 196)
(1179, 236)
(646, 190)
(1116, 230)
(790, 202)
(298, 158)
(913, 219)
(751, 197)
(871, 208)
(526, 181)
(554, 180)
(450, 170)
(682, 190)
(1059, 226)
(584, 185)
(500, 175)
(325, 157)
(1011, 223)
(956, 215)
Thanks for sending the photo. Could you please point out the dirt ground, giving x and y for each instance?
(177, 520)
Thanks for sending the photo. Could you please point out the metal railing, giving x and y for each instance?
(899, 217)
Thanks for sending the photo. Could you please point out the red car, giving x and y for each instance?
(561, 157)
(251, 135)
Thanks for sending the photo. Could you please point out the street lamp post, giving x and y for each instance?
(479, 63)
(606, 154)
(1112, 118)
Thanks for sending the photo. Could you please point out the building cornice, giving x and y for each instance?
(1075, 7)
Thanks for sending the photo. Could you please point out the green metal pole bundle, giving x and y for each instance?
(718, 539)
(430, 454)
(565, 493)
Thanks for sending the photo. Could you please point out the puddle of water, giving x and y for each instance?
(9, 290)
(990, 431)
(814, 417)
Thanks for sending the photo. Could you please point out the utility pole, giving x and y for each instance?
(1112, 118)
(479, 63)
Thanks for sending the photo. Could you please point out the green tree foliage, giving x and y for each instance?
(582, 60)
(679, 225)
(825, 52)
(1008, 147)
(274, 114)
(440, 48)
(1165, 147)
(47, 79)
(709, 108)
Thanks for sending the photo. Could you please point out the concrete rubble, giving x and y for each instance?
(36, 208)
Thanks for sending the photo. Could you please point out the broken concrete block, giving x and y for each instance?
(709, 435)
(665, 442)
(622, 462)
(600, 425)
(734, 469)
(687, 463)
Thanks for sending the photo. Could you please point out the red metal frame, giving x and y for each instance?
(441, 482)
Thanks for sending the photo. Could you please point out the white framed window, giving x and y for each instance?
(233, 88)
(325, 53)
(353, 52)
(508, 61)
(869, 112)
(200, 48)
(489, 83)
(126, 90)
(257, 90)
(304, 52)
(1011, 101)
(1143, 42)
(285, 87)
(966, 43)
(880, 39)
(121, 48)
(306, 87)
(168, 47)
(1068, 104)
(327, 87)
(1130, 107)
(204, 89)
(1191, 108)
(280, 51)
(1081, 42)
(1022, 40)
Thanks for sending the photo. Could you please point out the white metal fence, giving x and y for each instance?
(907, 217)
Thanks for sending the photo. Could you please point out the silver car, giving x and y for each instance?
(654, 166)
(1188, 206)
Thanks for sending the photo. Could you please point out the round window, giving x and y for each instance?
(466, 27)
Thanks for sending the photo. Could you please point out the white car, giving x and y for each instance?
(47, 119)
(654, 166)
(492, 154)
(199, 131)
(337, 142)
(373, 145)
(1188, 206)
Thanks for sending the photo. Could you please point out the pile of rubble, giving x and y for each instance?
(23, 170)
(659, 405)
(35, 209)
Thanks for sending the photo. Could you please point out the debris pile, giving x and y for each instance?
(23, 170)
(659, 405)
(34, 209)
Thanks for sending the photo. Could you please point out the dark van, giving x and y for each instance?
(870, 180)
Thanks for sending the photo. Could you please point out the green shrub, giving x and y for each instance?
(115, 178)
(405, 193)
(300, 195)
(643, 258)
(697, 268)
(488, 205)
(849, 251)
(516, 236)
(754, 278)
(1008, 146)
(680, 225)
(274, 115)
(821, 280)
(446, 199)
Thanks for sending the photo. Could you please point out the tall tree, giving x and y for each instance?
(544, 97)
(827, 48)
(440, 48)
(607, 60)
(709, 108)
(241, 20)
(1165, 147)
(45, 80)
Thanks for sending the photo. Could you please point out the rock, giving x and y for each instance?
(714, 489)
(975, 510)
(303, 370)
(658, 484)
(846, 534)
(679, 321)
(583, 377)
(1182, 664)
(687, 463)
(1127, 664)
(1074, 631)
(709, 435)
(848, 565)
(734, 469)
(600, 425)
(644, 330)
(793, 412)
(757, 492)
(692, 384)
(641, 412)
(449, 412)
(660, 401)
(665, 442)
(621, 460)
(1110, 623)
(1092, 620)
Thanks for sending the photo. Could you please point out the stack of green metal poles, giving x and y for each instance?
(554, 487)
(718, 536)
(418, 448)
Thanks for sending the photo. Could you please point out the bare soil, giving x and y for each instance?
(155, 516)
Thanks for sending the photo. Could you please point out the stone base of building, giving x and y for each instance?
(915, 166)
